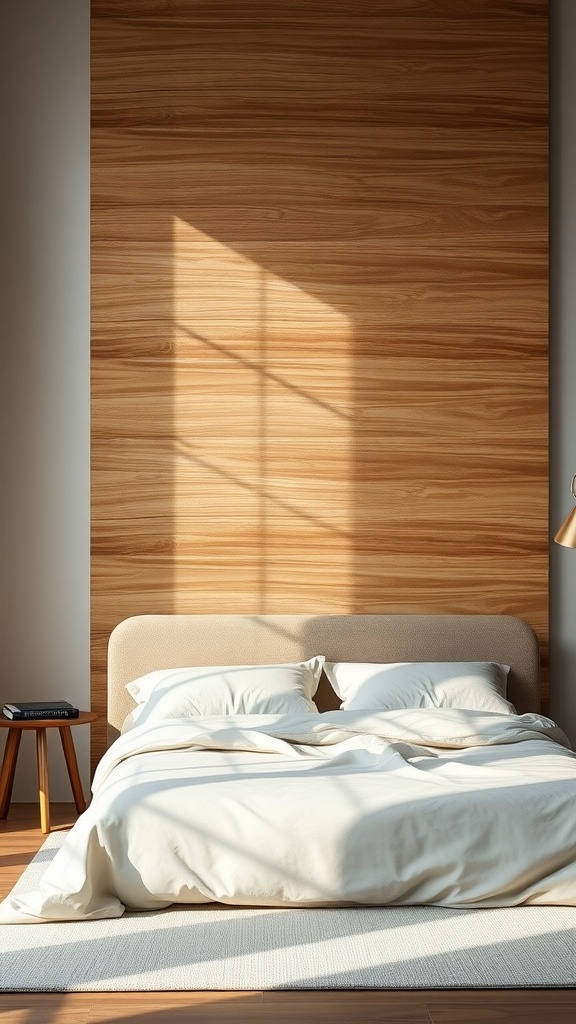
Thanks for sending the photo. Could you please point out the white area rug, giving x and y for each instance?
(255, 949)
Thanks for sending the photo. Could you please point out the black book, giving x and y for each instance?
(40, 709)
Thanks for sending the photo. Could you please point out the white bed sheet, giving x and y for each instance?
(426, 806)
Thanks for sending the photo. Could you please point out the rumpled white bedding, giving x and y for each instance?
(425, 806)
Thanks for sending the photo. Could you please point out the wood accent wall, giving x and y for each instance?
(319, 309)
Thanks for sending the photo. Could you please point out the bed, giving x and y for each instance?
(320, 761)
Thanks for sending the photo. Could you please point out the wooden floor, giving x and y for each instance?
(20, 837)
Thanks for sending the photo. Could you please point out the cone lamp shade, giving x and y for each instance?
(567, 533)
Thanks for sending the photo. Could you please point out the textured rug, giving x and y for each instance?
(254, 949)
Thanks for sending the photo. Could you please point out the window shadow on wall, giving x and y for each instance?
(319, 323)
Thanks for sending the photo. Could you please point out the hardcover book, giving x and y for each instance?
(40, 709)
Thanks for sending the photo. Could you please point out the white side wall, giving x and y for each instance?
(562, 357)
(44, 330)
(44, 378)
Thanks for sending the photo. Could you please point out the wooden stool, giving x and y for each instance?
(16, 727)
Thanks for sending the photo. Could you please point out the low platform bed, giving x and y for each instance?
(319, 761)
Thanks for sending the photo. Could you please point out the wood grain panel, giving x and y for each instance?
(319, 309)
(320, 166)
(459, 229)
(502, 345)
(387, 61)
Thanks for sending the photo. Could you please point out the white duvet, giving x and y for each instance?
(446, 807)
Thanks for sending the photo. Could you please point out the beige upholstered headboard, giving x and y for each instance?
(146, 642)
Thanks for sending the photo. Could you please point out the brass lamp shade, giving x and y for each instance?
(567, 533)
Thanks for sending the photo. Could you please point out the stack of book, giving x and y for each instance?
(40, 709)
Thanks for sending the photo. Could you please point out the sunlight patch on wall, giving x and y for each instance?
(262, 419)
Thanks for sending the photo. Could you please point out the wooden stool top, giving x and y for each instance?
(46, 723)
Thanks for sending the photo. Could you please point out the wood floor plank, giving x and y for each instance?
(513, 1006)
(176, 1007)
(244, 1008)
(346, 1006)
(43, 1008)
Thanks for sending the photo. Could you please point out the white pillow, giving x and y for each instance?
(471, 685)
(225, 690)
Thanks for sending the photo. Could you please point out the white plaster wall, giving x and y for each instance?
(44, 390)
(44, 367)
(562, 357)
